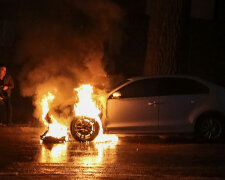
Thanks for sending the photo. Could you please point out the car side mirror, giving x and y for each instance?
(116, 95)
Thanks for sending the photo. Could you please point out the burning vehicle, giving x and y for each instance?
(86, 124)
(162, 105)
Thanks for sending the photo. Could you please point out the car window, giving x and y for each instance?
(115, 85)
(179, 86)
(141, 88)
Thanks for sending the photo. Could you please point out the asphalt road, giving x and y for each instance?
(22, 156)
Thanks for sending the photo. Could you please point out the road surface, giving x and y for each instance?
(22, 156)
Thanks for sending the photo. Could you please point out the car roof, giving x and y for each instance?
(132, 79)
(164, 76)
(205, 82)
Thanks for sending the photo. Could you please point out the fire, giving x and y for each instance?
(55, 129)
(87, 107)
(45, 105)
(87, 113)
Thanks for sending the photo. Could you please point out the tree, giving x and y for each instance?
(167, 48)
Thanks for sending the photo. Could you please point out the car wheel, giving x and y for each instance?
(210, 128)
(84, 129)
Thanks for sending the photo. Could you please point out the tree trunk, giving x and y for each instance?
(167, 49)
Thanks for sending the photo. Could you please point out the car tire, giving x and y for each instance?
(210, 129)
(84, 129)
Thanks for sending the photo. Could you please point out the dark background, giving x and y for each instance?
(206, 45)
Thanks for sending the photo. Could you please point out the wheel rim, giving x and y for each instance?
(84, 128)
(211, 128)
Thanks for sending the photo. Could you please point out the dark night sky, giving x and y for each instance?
(134, 27)
(123, 34)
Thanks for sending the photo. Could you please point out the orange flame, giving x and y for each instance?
(54, 128)
(87, 107)
(45, 105)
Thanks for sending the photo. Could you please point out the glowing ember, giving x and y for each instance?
(55, 129)
(88, 108)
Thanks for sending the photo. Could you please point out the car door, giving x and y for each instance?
(134, 107)
(178, 98)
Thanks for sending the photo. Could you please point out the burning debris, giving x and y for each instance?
(50, 139)
(56, 132)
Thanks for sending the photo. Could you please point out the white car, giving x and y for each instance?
(167, 104)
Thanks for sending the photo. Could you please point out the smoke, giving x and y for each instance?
(62, 46)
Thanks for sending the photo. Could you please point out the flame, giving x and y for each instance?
(45, 105)
(55, 129)
(87, 107)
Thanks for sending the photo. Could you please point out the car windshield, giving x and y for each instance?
(115, 85)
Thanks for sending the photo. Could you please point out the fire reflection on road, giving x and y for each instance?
(54, 153)
(83, 154)
(97, 155)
